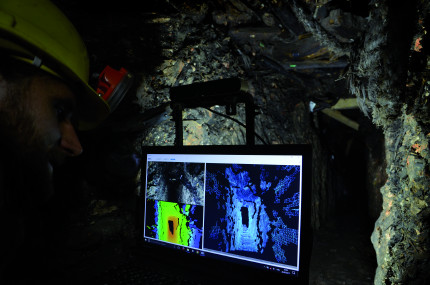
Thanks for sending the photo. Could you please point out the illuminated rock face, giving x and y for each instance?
(257, 211)
(176, 182)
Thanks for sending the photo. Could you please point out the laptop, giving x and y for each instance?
(227, 214)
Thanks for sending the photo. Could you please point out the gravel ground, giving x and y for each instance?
(342, 253)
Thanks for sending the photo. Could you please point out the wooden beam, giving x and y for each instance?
(348, 103)
(341, 118)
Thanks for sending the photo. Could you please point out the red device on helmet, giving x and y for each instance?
(113, 85)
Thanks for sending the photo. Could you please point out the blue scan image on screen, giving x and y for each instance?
(253, 211)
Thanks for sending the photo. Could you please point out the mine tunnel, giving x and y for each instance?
(245, 217)
(348, 77)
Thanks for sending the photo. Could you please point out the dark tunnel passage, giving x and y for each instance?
(245, 216)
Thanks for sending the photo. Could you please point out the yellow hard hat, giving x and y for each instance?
(37, 32)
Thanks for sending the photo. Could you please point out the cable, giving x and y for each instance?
(237, 121)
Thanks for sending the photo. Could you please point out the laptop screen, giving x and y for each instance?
(241, 205)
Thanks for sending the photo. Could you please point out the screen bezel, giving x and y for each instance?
(231, 270)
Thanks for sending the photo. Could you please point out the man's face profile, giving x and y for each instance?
(36, 128)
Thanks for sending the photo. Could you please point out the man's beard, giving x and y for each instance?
(26, 185)
(26, 172)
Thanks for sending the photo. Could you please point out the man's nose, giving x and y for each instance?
(69, 140)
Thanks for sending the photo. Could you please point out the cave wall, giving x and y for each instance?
(388, 75)
(400, 236)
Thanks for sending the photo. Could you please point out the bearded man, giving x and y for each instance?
(44, 98)
(37, 133)
(36, 127)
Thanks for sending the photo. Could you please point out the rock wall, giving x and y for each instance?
(389, 76)
(401, 235)
(393, 89)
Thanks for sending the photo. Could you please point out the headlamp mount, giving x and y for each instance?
(113, 84)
